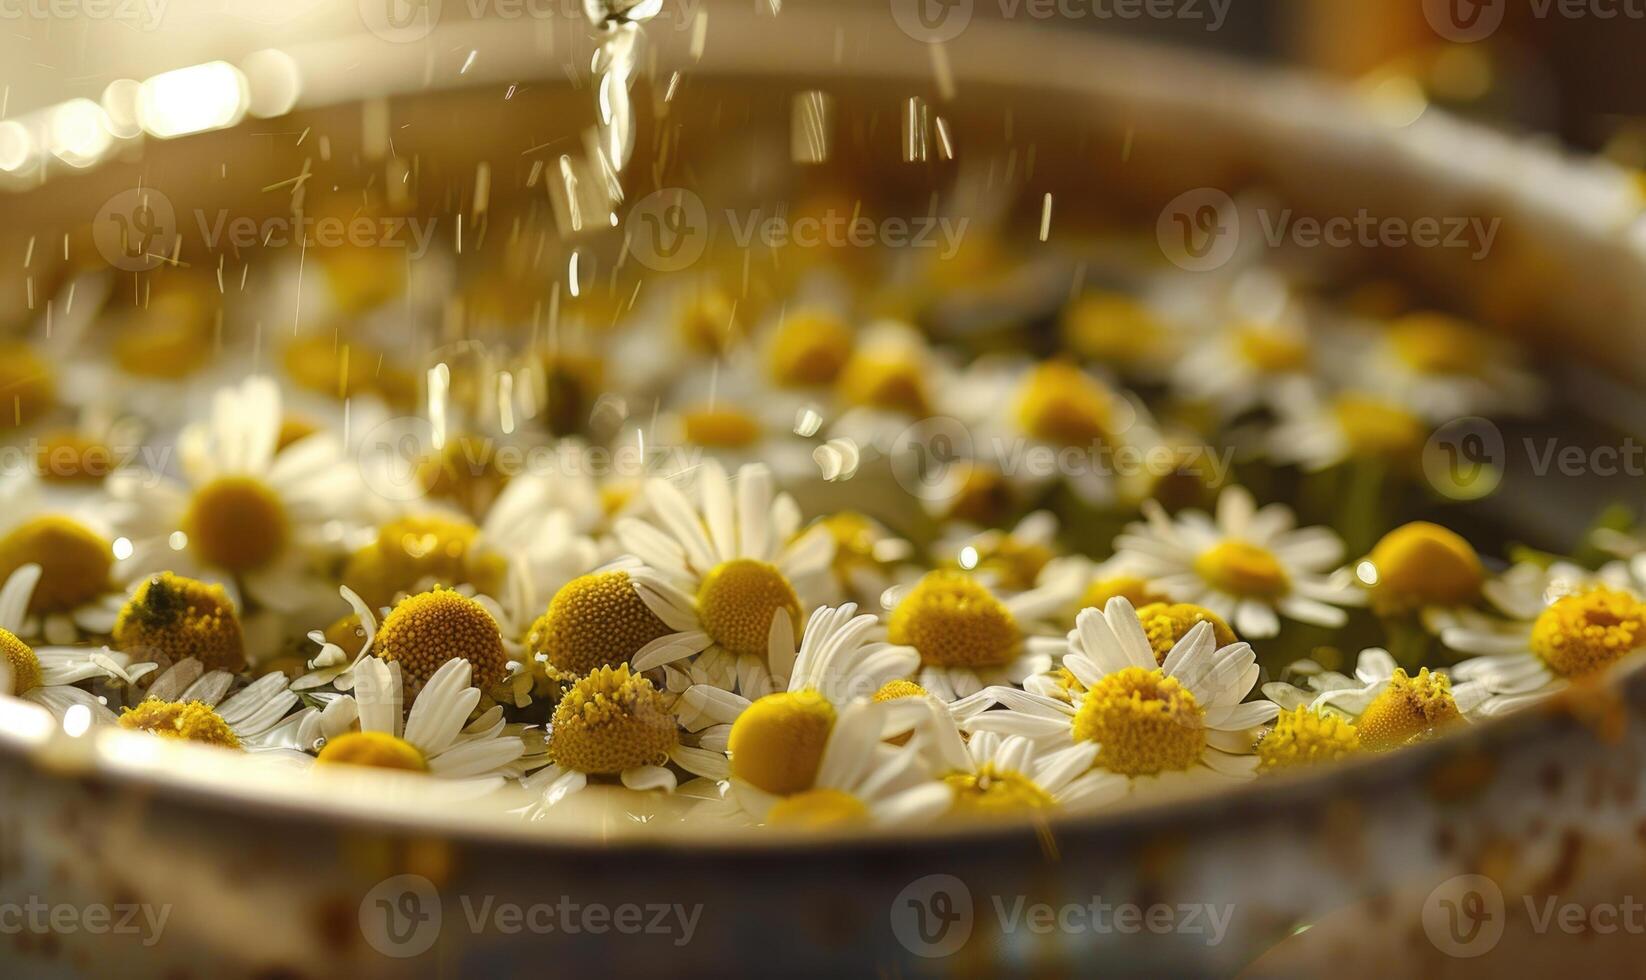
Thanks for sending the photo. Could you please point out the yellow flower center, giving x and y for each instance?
(1165, 623)
(237, 523)
(985, 498)
(465, 471)
(1134, 589)
(426, 630)
(66, 456)
(171, 618)
(293, 429)
(193, 721)
(1242, 569)
(1378, 429)
(1270, 351)
(737, 601)
(1111, 328)
(1409, 709)
(777, 743)
(380, 750)
(322, 363)
(1422, 564)
(611, 721)
(1146, 723)
(992, 792)
(417, 548)
(27, 390)
(855, 541)
(363, 278)
(169, 343)
(1063, 405)
(955, 622)
(721, 428)
(892, 381)
(1580, 635)
(818, 809)
(74, 561)
(25, 666)
(809, 350)
(898, 690)
(707, 323)
(595, 620)
(1304, 738)
(1014, 564)
(1432, 343)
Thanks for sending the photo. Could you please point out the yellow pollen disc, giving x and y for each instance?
(1422, 564)
(293, 430)
(65, 456)
(777, 743)
(955, 622)
(985, 498)
(1409, 709)
(1375, 428)
(892, 381)
(1583, 634)
(1433, 343)
(422, 547)
(818, 809)
(171, 618)
(1015, 565)
(721, 428)
(1063, 405)
(616, 495)
(1304, 738)
(27, 389)
(194, 721)
(737, 601)
(991, 792)
(426, 630)
(74, 561)
(707, 323)
(1270, 351)
(1135, 590)
(362, 278)
(809, 350)
(25, 666)
(611, 721)
(595, 620)
(379, 750)
(1146, 723)
(464, 471)
(237, 523)
(855, 537)
(168, 344)
(323, 363)
(1242, 569)
(898, 690)
(1165, 623)
(1112, 329)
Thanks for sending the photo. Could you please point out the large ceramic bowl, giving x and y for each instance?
(361, 878)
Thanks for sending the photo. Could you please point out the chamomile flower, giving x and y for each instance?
(191, 703)
(1181, 719)
(797, 761)
(1093, 584)
(1388, 706)
(615, 723)
(48, 676)
(1009, 560)
(74, 548)
(371, 726)
(1250, 566)
(968, 637)
(1317, 431)
(1244, 365)
(727, 574)
(1564, 624)
(892, 379)
(243, 515)
(869, 559)
(1445, 367)
(1123, 333)
(1304, 736)
(1423, 569)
